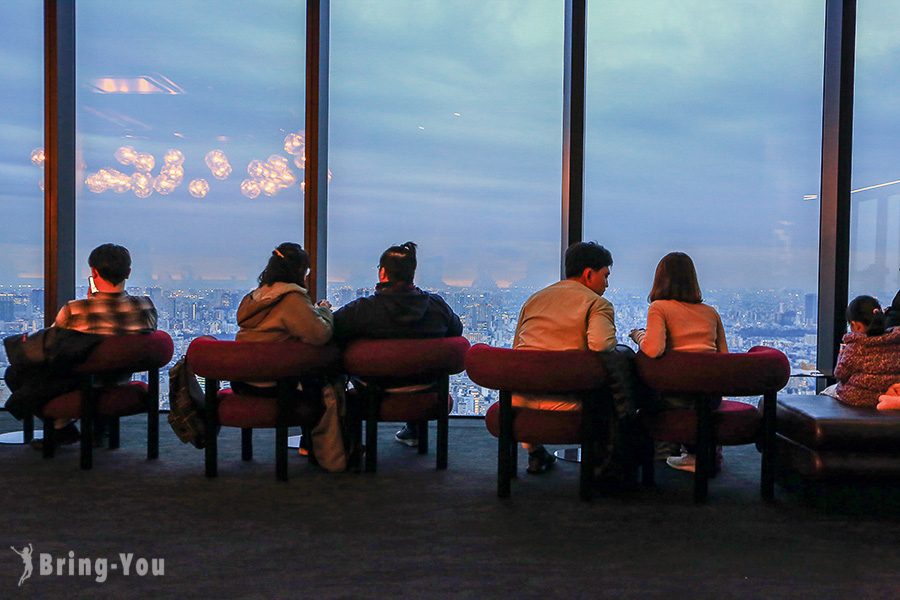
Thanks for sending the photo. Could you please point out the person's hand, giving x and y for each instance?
(324, 304)
(637, 335)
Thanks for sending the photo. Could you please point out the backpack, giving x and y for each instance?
(186, 405)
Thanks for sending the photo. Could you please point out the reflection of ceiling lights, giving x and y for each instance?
(143, 84)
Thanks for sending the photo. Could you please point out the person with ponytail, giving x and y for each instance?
(280, 309)
(398, 309)
(869, 361)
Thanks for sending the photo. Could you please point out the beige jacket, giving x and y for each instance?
(566, 316)
(281, 312)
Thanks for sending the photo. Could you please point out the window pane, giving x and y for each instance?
(446, 130)
(183, 116)
(21, 171)
(875, 200)
(703, 134)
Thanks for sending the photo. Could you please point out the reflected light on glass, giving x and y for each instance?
(250, 188)
(198, 188)
(173, 157)
(126, 155)
(38, 157)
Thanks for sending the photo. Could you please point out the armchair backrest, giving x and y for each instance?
(258, 361)
(405, 357)
(756, 372)
(129, 353)
(540, 371)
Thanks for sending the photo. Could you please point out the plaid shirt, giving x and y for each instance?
(108, 314)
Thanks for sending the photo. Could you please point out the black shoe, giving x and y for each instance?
(408, 436)
(66, 436)
(540, 461)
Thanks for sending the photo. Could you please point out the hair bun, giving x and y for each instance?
(410, 247)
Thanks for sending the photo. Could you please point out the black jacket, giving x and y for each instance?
(892, 314)
(396, 311)
(40, 366)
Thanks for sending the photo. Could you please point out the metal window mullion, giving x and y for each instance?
(837, 154)
(59, 148)
(574, 60)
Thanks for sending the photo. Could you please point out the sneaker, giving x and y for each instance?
(688, 462)
(408, 436)
(685, 462)
(540, 461)
(303, 447)
(66, 436)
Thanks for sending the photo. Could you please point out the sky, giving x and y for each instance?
(703, 129)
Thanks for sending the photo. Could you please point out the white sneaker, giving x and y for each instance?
(685, 462)
(688, 462)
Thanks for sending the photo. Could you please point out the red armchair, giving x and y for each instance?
(378, 362)
(100, 393)
(759, 372)
(538, 371)
(248, 362)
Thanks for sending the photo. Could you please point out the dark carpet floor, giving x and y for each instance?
(412, 532)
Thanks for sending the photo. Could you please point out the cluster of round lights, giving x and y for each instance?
(269, 177)
(37, 159)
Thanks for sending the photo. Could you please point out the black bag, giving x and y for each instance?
(186, 404)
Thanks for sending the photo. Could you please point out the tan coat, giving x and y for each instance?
(281, 312)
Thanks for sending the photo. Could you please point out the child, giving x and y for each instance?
(678, 320)
(869, 361)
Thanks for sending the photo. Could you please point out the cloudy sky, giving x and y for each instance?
(703, 133)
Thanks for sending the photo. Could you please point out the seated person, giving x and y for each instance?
(868, 364)
(280, 309)
(398, 309)
(108, 310)
(892, 314)
(679, 320)
(571, 314)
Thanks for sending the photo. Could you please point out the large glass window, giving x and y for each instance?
(875, 200)
(446, 130)
(21, 170)
(703, 132)
(190, 137)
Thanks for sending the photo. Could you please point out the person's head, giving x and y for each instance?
(398, 264)
(676, 279)
(289, 263)
(865, 316)
(589, 263)
(110, 262)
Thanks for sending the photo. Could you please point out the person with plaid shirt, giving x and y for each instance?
(108, 310)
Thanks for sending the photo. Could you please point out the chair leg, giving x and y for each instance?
(443, 424)
(281, 448)
(371, 430)
(49, 443)
(504, 455)
(28, 429)
(211, 442)
(87, 423)
(702, 456)
(767, 478)
(596, 410)
(246, 443)
(422, 430)
(114, 432)
(153, 415)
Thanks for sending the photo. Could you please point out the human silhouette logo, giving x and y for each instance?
(25, 553)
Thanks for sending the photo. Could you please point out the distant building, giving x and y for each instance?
(7, 308)
(811, 308)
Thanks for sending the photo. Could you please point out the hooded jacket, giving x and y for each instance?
(867, 366)
(281, 312)
(396, 310)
